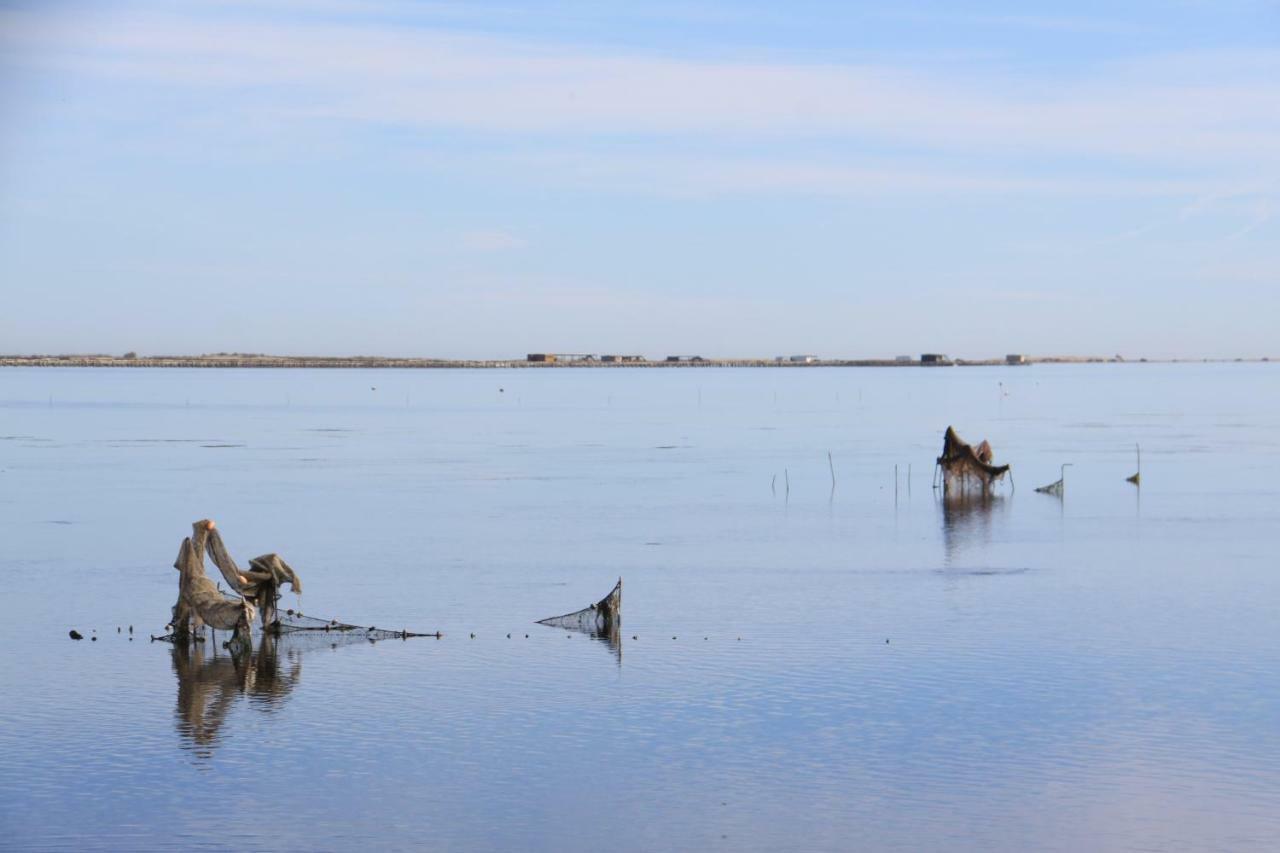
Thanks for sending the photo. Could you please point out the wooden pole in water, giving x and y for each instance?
(832, 466)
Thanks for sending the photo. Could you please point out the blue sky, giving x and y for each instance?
(479, 179)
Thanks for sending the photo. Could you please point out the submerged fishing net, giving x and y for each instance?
(965, 468)
(601, 617)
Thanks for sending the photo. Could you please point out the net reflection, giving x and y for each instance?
(610, 636)
(967, 521)
(211, 681)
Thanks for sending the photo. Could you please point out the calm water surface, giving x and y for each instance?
(1096, 672)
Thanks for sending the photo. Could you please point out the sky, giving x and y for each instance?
(728, 179)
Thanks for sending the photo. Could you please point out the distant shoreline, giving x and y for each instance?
(331, 362)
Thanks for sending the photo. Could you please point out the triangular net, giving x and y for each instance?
(603, 616)
(294, 622)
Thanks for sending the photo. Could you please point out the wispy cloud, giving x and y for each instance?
(490, 240)
(1116, 128)
(1054, 23)
(440, 78)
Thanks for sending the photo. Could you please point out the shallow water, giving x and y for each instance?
(1032, 673)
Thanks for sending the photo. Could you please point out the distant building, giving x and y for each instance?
(804, 359)
(1015, 358)
(934, 358)
(680, 358)
(905, 359)
(621, 359)
(541, 356)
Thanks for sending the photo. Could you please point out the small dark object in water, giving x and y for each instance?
(76, 635)
(526, 636)
(500, 390)
(1056, 488)
(130, 629)
(473, 636)
(508, 636)
(886, 641)
(634, 637)
(117, 629)
(94, 638)
(673, 638)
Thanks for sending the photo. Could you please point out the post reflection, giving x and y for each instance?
(211, 681)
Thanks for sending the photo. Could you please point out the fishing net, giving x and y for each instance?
(601, 617)
(256, 591)
(200, 602)
(965, 468)
(293, 622)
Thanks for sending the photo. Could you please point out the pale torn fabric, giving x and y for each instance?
(200, 602)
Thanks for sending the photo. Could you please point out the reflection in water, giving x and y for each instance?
(967, 520)
(611, 637)
(209, 684)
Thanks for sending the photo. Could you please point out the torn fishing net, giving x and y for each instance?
(603, 616)
(966, 468)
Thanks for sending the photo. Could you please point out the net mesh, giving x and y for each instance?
(602, 617)
(295, 622)
(967, 469)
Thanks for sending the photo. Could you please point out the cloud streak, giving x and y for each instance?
(427, 80)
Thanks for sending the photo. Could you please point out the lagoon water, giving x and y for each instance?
(864, 668)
